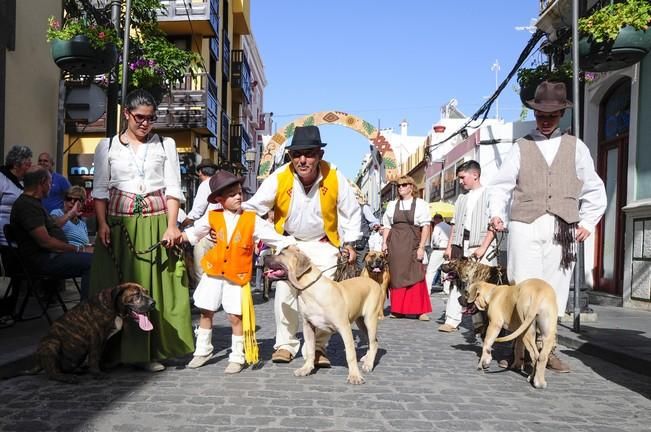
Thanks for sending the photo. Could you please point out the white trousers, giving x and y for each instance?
(453, 308)
(435, 261)
(324, 256)
(532, 253)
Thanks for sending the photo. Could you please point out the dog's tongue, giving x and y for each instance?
(271, 273)
(144, 323)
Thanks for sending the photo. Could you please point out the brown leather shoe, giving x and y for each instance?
(321, 361)
(281, 356)
(447, 328)
(424, 317)
(556, 364)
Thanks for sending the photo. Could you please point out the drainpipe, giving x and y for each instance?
(579, 267)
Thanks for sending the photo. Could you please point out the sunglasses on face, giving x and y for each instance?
(307, 153)
(141, 118)
(73, 199)
(404, 184)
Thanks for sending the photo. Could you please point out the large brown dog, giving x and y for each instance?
(83, 331)
(376, 267)
(522, 308)
(331, 306)
(469, 270)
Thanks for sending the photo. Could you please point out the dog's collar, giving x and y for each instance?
(311, 283)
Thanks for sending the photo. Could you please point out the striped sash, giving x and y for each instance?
(123, 203)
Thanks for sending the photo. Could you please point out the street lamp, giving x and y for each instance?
(250, 156)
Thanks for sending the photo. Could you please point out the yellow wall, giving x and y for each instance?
(32, 80)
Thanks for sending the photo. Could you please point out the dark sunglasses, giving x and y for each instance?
(404, 184)
(69, 198)
(141, 118)
(307, 153)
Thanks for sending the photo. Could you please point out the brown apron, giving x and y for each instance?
(403, 241)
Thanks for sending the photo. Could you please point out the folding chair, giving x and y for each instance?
(14, 265)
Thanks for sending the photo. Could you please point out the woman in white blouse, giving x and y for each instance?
(407, 219)
(137, 191)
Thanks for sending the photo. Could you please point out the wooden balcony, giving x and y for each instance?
(191, 104)
(185, 17)
(240, 77)
(239, 143)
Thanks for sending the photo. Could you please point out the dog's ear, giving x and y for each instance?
(302, 265)
(484, 294)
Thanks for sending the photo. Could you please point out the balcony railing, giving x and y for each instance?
(225, 132)
(226, 56)
(187, 17)
(239, 143)
(214, 47)
(241, 75)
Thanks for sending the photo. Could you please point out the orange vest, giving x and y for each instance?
(232, 260)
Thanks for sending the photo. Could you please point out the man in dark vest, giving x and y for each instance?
(557, 200)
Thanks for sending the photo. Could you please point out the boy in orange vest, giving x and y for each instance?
(227, 268)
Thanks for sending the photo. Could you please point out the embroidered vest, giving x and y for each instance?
(232, 260)
(328, 194)
(543, 188)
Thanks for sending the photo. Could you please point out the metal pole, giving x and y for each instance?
(578, 268)
(125, 52)
(112, 91)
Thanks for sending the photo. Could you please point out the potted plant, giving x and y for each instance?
(615, 36)
(530, 78)
(81, 47)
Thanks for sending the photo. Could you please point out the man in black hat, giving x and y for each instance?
(557, 199)
(313, 202)
(206, 169)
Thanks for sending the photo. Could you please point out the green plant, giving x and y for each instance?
(540, 73)
(604, 24)
(98, 35)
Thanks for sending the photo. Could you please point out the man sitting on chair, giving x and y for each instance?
(41, 242)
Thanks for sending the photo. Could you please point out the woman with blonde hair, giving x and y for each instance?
(406, 221)
(69, 218)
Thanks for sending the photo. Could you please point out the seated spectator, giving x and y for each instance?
(69, 218)
(41, 242)
(18, 161)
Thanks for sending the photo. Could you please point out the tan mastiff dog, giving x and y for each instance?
(376, 267)
(522, 308)
(331, 306)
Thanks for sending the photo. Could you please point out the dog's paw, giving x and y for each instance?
(367, 367)
(303, 371)
(355, 379)
(484, 362)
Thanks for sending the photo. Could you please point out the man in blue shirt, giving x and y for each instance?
(60, 184)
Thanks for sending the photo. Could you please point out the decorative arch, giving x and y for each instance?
(331, 118)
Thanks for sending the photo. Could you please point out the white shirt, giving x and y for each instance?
(592, 196)
(421, 214)
(440, 235)
(9, 193)
(200, 203)
(118, 167)
(305, 221)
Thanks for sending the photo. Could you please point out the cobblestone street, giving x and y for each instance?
(424, 380)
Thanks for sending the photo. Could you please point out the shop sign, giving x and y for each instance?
(81, 164)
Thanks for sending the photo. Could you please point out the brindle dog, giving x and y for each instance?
(83, 331)
(345, 270)
(467, 271)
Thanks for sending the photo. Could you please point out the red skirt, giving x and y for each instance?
(411, 300)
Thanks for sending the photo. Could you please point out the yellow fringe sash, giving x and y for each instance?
(248, 324)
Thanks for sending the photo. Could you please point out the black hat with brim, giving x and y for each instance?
(306, 137)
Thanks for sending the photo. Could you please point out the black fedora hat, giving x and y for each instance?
(306, 137)
(550, 97)
(206, 163)
(221, 180)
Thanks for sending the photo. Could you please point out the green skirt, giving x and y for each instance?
(160, 272)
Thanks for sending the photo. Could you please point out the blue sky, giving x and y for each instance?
(386, 61)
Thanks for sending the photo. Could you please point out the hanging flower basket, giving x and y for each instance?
(79, 57)
(628, 48)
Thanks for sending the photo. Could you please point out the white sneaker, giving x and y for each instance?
(151, 366)
(233, 368)
(198, 361)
